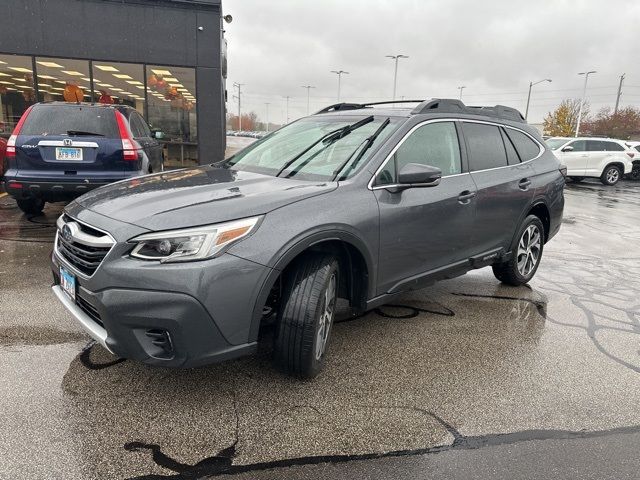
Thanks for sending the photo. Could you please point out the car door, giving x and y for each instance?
(574, 158)
(504, 188)
(596, 157)
(423, 229)
(143, 136)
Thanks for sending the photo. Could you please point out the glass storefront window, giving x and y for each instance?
(119, 83)
(171, 110)
(17, 90)
(61, 79)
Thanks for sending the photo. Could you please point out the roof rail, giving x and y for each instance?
(448, 105)
(357, 106)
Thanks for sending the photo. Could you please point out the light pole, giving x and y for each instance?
(287, 119)
(531, 84)
(395, 71)
(239, 87)
(584, 93)
(308, 87)
(267, 104)
(339, 73)
(461, 88)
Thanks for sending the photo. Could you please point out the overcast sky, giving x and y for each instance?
(493, 47)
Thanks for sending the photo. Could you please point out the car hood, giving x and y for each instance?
(197, 196)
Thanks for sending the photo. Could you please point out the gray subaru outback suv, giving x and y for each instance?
(183, 268)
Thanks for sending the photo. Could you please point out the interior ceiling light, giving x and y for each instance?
(50, 64)
(20, 69)
(46, 77)
(171, 79)
(177, 85)
(140, 87)
(73, 73)
(108, 85)
(126, 93)
(57, 88)
(3, 63)
(106, 68)
(18, 79)
(4, 74)
(6, 83)
(161, 72)
(117, 89)
(122, 75)
(95, 80)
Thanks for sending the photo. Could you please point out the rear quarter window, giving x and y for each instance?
(526, 147)
(61, 119)
(613, 147)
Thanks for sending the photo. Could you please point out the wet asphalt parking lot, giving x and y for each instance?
(464, 379)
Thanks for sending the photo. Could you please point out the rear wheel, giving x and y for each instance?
(306, 315)
(611, 175)
(32, 206)
(525, 255)
(635, 173)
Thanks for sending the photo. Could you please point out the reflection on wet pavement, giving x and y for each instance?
(463, 364)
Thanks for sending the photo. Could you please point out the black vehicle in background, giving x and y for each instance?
(61, 150)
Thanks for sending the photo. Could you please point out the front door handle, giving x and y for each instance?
(524, 184)
(465, 197)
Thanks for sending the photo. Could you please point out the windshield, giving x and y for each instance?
(556, 143)
(272, 154)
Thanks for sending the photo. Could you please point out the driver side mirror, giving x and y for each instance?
(568, 148)
(157, 134)
(419, 175)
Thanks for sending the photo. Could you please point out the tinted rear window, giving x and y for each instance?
(613, 147)
(527, 148)
(486, 149)
(60, 119)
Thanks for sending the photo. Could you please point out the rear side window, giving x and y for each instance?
(637, 147)
(512, 155)
(486, 148)
(595, 146)
(527, 148)
(77, 119)
(613, 147)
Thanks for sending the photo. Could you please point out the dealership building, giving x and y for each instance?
(166, 58)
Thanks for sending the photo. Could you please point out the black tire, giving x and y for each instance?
(31, 206)
(511, 271)
(302, 315)
(577, 179)
(611, 175)
(635, 173)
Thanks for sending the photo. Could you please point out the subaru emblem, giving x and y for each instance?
(67, 142)
(66, 233)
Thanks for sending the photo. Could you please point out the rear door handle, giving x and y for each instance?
(465, 197)
(524, 184)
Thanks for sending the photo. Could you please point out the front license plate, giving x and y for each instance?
(66, 153)
(68, 283)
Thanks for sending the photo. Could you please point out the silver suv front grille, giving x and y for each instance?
(82, 246)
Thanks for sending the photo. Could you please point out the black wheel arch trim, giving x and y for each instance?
(294, 248)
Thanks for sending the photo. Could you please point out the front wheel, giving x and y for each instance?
(31, 206)
(525, 255)
(306, 315)
(611, 175)
(635, 173)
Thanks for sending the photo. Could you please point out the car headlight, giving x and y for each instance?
(192, 243)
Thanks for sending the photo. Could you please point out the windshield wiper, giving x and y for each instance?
(329, 138)
(83, 133)
(367, 144)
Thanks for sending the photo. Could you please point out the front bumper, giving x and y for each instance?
(202, 310)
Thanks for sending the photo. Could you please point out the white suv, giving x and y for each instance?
(604, 158)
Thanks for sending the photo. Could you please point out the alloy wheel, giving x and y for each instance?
(613, 175)
(326, 317)
(529, 250)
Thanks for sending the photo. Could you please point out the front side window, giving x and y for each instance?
(486, 148)
(527, 148)
(556, 142)
(299, 150)
(578, 146)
